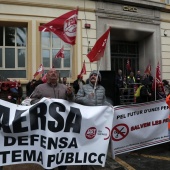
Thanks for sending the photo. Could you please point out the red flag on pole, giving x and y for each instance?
(83, 70)
(158, 78)
(64, 27)
(128, 67)
(39, 71)
(158, 74)
(98, 50)
(60, 53)
(44, 78)
(148, 69)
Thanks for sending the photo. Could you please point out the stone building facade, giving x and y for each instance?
(23, 47)
(139, 29)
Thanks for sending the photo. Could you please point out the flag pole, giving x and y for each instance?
(70, 72)
(155, 88)
(59, 77)
(155, 81)
(69, 77)
(90, 66)
(97, 76)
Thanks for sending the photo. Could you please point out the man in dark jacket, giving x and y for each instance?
(118, 91)
(30, 86)
(138, 77)
(145, 93)
(92, 94)
(77, 84)
(53, 89)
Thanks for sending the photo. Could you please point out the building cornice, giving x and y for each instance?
(45, 4)
(138, 3)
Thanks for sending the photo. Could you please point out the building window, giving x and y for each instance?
(121, 51)
(13, 52)
(167, 1)
(50, 45)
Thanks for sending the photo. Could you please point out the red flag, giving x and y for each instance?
(98, 50)
(64, 26)
(128, 65)
(60, 53)
(148, 69)
(39, 71)
(83, 70)
(158, 74)
(44, 78)
(158, 78)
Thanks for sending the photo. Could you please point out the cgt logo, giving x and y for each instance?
(91, 133)
(70, 26)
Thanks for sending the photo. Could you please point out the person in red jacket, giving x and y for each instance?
(11, 91)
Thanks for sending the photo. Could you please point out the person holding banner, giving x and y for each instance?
(53, 89)
(88, 95)
(11, 92)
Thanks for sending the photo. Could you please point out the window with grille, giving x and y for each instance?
(121, 51)
(13, 52)
(50, 45)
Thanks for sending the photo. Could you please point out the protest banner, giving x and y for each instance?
(54, 132)
(139, 126)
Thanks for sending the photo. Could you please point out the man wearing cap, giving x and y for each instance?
(92, 94)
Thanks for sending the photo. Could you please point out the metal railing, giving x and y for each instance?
(127, 94)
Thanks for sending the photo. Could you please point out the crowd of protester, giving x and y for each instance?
(127, 86)
(83, 91)
(12, 91)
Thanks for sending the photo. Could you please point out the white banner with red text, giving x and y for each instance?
(139, 126)
(54, 132)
